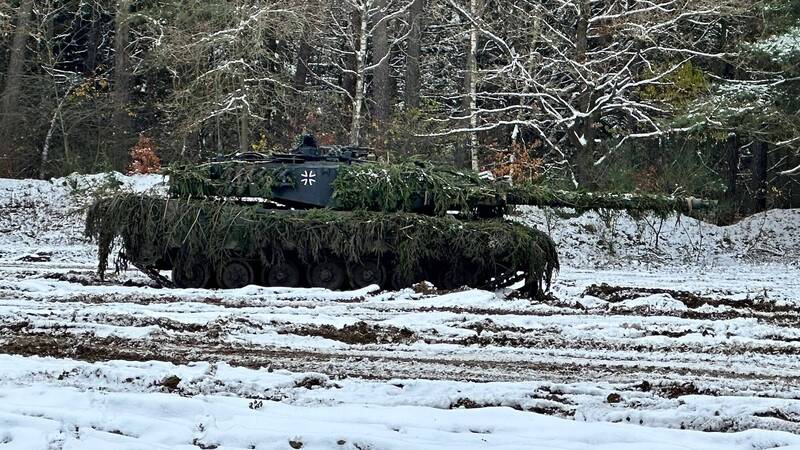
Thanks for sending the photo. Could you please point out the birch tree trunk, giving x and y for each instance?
(361, 55)
(50, 63)
(45, 156)
(472, 70)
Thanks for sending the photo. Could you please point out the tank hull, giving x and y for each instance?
(208, 243)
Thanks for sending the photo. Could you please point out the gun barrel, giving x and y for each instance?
(539, 196)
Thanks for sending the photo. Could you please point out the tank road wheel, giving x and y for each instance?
(191, 272)
(234, 274)
(283, 274)
(369, 271)
(328, 273)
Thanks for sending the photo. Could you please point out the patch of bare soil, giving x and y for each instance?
(85, 348)
(550, 338)
(616, 294)
(548, 404)
(778, 414)
(138, 299)
(358, 333)
(37, 257)
(675, 390)
(182, 349)
(122, 320)
(92, 279)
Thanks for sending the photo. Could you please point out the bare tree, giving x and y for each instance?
(228, 69)
(475, 10)
(573, 71)
(350, 30)
(54, 59)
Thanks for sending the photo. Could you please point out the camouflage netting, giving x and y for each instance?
(662, 205)
(392, 187)
(231, 179)
(400, 187)
(148, 226)
(381, 187)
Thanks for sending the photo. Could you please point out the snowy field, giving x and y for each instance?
(669, 334)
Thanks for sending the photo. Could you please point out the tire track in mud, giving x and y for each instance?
(371, 362)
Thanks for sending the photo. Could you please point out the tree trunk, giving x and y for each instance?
(93, 42)
(64, 138)
(244, 130)
(475, 7)
(218, 121)
(45, 155)
(760, 175)
(301, 72)
(582, 31)
(461, 156)
(121, 121)
(350, 59)
(581, 135)
(381, 90)
(16, 63)
(732, 150)
(412, 54)
(299, 82)
(361, 55)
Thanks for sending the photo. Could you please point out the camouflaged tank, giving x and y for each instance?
(328, 217)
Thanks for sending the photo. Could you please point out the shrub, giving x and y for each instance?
(143, 157)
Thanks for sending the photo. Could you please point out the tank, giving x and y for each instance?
(331, 217)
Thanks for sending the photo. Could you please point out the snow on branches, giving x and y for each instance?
(572, 72)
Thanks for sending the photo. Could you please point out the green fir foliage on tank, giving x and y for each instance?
(150, 226)
(384, 187)
(660, 205)
(225, 179)
(395, 187)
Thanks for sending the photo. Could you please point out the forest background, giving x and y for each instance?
(686, 97)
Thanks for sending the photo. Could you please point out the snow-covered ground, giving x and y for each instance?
(691, 343)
